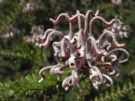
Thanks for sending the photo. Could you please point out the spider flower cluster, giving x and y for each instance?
(86, 55)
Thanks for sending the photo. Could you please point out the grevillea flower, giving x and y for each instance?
(96, 58)
(117, 2)
(10, 32)
(31, 5)
(34, 30)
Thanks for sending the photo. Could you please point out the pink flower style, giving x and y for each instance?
(96, 58)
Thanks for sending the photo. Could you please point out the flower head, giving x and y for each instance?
(81, 51)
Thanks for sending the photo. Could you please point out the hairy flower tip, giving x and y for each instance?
(82, 53)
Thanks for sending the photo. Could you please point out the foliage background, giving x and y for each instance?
(20, 61)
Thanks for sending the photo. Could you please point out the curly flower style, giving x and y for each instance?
(84, 54)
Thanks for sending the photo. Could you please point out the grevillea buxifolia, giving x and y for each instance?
(81, 51)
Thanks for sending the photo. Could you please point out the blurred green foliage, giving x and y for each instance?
(20, 61)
